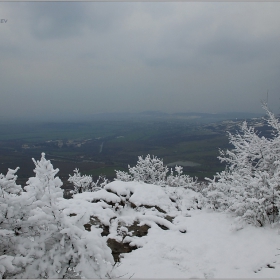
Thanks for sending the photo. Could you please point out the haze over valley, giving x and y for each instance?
(107, 144)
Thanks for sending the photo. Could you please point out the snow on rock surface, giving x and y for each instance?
(164, 234)
(142, 194)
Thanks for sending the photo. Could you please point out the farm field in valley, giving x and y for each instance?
(103, 146)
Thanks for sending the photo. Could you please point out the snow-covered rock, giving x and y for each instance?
(126, 211)
(160, 232)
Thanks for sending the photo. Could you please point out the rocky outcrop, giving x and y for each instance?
(119, 248)
(125, 213)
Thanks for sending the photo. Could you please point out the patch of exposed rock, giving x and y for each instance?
(125, 211)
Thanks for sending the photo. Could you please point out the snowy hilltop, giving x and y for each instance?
(151, 222)
(162, 232)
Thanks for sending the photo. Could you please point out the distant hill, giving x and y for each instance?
(189, 116)
(145, 115)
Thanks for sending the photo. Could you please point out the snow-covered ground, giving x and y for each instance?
(210, 248)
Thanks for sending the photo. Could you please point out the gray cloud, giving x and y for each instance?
(86, 57)
(57, 21)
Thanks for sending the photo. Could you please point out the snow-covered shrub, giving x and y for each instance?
(123, 176)
(149, 170)
(218, 191)
(250, 185)
(200, 186)
(258, 203)
(181, 180)
(81, 183)
(14, 213)
(84, 183)
(10, 214)
(101, 182)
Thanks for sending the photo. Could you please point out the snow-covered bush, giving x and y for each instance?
(250, 185)
(181, 180)
(10, 214)
(14, 213)
(84, 183)
(151, 170)
(37, 238)
(101, 182)
(123, 176)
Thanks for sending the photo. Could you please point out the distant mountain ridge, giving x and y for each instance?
(145, 116)
(158, 115)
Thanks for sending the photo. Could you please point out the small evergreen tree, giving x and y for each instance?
(38, 239)
(14, 213)
(61, 246)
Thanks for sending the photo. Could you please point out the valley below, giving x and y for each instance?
(100, 147)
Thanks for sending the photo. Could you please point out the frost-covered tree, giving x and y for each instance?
(101, 182)
(61, 246)
(123, 176)
(14, 213)
(46, 222)
(84, 183)
(250, 185)
(148, 170)
(10, 214)
(180, 179)
(45, 243)
(151, 170)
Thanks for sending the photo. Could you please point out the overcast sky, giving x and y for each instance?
(63, 58)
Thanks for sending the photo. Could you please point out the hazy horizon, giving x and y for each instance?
(191, 117)
(75, 59)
